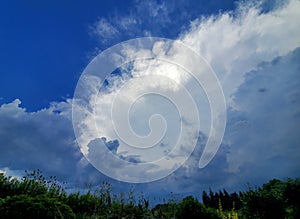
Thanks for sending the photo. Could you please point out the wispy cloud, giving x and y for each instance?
(105, 30)
(152, 18)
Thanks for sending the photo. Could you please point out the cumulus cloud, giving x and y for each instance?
(261, 141)
(147, 99)
(236, 42)
(44, 140)
(33, 135)
(262, 138)
(256, 62)
(252, 51)
(263, 132)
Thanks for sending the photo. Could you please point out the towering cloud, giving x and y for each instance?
(254, 53)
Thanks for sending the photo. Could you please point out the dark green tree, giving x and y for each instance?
(193, 209)
(292, 195)
(267, 202)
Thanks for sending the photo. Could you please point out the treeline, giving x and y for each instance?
(276, 199)
(228, 201)
(34, 196)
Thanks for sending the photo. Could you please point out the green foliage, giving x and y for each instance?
(189, 207)
(24, 206)
(34, 196)
(120, 210)
(292, 195)
(193, 209)
(228, 201)
(33, 184)
(275, 199)
(165, 210)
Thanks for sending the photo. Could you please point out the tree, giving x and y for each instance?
(267, 202)
(292, 195)
(205, 199)
(191, 208)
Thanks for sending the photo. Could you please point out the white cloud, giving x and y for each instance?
(262, 137)
(107, 113)
(233, 43)
(264, 103)
(147, 18)
(263, 98)
(236, 42)
(154, 9)
(105, 30)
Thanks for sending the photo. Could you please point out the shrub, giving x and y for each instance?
(24, 206)
(192, 208)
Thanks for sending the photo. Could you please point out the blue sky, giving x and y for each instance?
(253, 47)
(48, 44)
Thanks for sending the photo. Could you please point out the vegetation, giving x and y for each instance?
(36, 197)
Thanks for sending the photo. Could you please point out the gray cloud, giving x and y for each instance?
(44, 140)
(263, 129)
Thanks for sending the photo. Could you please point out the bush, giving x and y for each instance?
(24, 206)
(192, 208)
(35, 197)
(275, 199)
